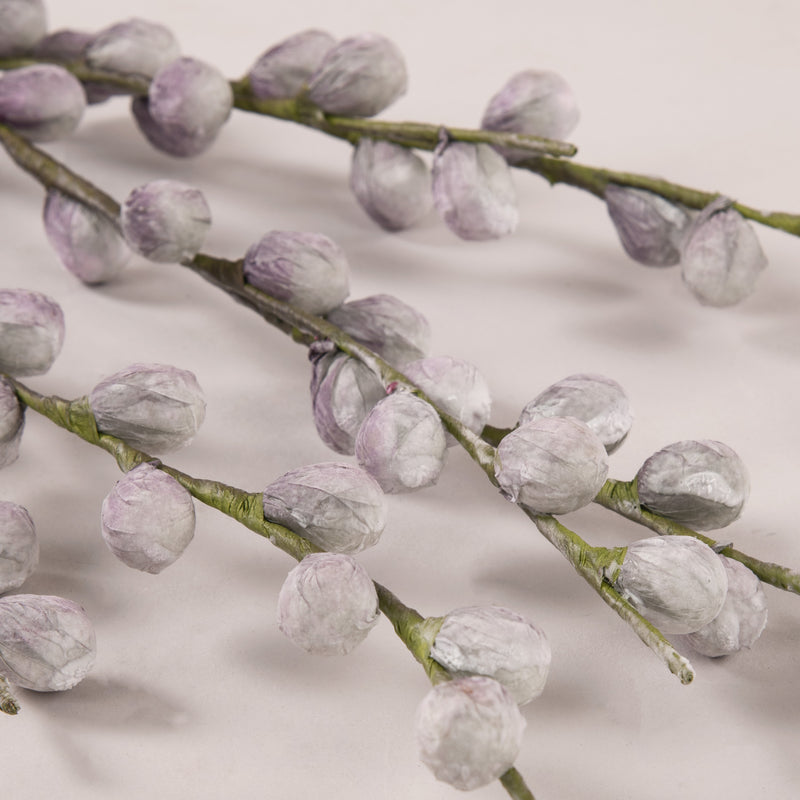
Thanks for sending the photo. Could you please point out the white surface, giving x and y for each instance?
(196, 693)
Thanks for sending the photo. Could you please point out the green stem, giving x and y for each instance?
(8, 703)
(514, 784)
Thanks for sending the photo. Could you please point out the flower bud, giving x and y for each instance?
(308, 270)
(165, 221)
(19, 547)
(31, 332)
(359, 77)
(553, 465)
(473, 191)
(47, 643)
(153, 407)
(702, 484)
(391, 183)
(594, 399)
(22, 24)
(12, 423)
(337, 507)
(283, 70)
(650, 228)
(469, 731)
(677, 583)
(327, 604)
(495, 642)
(401, 443)
(135, 46)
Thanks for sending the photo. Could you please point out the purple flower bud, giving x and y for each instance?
(283, 70)
(391, 183)
(22, 24)
(702, 484)
(12, 423)
(153, 407)
(147, 519)
(401, 443)
(42, 102)
(165, 221)
(134, 46)
(19, 547)
(327, 604)
(473, 191)
(308, 270)
(469, 731)
(594, 399)
(31, 332)
(553, 465)
(359, 77)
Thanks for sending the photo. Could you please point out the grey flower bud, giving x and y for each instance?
(594, 399)
(135, 46)
(391, 183)
(12, 423)
(473, 191)
(327, 604)
(19, 547)
(495, 642)
(401, 443)
(702, 484)
(165, 220)
(468, 731)
(47, 643)
(22, 24)
(63, 45)
(359, 77)
(153, 407)
(553, 465)
(31, 332)
(308, 270)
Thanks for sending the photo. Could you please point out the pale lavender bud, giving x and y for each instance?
(327, 604)
(165, 220)
(47, 643)
(391, 183)
(308, 270)
(283, 70)
(594, 399)
(495, 642)
(469, 731)
(359, 77)
(135, 46)
(19, 547)
(31, 332)
(553, 465)
(473, 191)
(154, 407)
(12, 423)
(22, 25)
(702, 484)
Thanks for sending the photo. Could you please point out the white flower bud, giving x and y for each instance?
(165, 221)
(469, 731)
(401, 443)
(12, 423)
(359, 77)
(495, 642)
(19, 547)
(337, 507)
(308, 270)
(153, 407)
(391, 183)
(327, 604)
(702, 484)
(22, 25)
(31, 332)
(47, 643)
(553, 465)
(134, 46)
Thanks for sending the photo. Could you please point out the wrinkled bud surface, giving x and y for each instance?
(327, 604)
(308, 270)
(12, 423)
(136, 46)
(594, 399)
(469, 731)
(473, 191)
(401, 443)
(153, 407)
(391, 183)
(19, 547)
(46, 643)
(553, 465)
(337, 507)
(31, 332)
(22, 25)
(165, 220)
(702, 484)
(495, 642)
(359, 77)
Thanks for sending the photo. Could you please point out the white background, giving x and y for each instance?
(196, 694)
